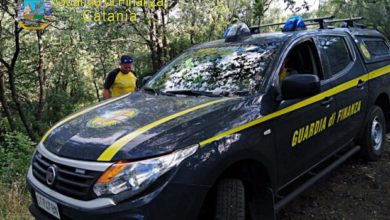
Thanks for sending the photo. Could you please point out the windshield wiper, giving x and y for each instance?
(235, 93)
(241, 93)
(155, 91)
(192, 92)
(148, 89)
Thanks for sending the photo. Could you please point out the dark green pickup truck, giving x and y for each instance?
(230, 129)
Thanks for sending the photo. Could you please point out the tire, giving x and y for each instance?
(230, 204)
(374, 135)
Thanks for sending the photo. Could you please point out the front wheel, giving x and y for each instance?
(230, 200)
(373, 139)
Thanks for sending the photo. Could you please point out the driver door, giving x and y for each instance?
(303, 134)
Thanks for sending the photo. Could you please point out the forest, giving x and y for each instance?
(48, 74)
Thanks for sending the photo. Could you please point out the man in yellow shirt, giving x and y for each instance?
(121, 80)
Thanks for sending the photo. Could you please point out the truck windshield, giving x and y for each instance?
(223, 70)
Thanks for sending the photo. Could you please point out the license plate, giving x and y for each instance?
(47, 205)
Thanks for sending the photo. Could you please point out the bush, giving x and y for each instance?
(16, 151)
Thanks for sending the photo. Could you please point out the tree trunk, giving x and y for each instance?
(96, 85)
(3, 99)
(105, 72)
(11, 78)
(22, 115)
(158, 40)
(152, 45)
(165, 41)
(193, 22)
(11, 72)
(41, 80)
(97, 90)
(5, 105)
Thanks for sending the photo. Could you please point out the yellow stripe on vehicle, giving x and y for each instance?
(379, 72)
(80, 113)
(110, 152)
(331, 92)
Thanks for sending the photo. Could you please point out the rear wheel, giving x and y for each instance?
(373, 140)
(230, 204)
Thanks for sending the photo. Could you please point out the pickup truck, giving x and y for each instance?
(230, 129)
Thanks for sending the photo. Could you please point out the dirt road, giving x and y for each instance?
(356, 190)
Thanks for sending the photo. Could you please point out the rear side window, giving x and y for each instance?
(374, 49)
(336, 51)
(377, 47)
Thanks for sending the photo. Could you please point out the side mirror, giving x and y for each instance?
(300, 86)
(146, 79)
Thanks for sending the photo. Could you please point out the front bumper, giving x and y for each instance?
(174, 201)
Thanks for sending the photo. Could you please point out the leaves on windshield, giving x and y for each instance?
(226, 69)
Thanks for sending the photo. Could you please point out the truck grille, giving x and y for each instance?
(70, 181)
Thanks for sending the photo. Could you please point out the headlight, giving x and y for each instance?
(137, 176)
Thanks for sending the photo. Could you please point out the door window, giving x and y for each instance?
(336, 52)
(302, 59)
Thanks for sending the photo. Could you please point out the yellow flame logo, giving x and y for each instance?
(365, 51)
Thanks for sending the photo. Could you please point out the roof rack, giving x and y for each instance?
(349, 22)
(322, 22)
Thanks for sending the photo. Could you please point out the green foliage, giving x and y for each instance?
(4, 126)
(376, 13)
(16, 151)
(15, 156)
(60, 104)
(259, 9)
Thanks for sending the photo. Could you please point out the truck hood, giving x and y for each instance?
(139, 118)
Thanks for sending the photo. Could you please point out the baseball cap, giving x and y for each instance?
(126, 59)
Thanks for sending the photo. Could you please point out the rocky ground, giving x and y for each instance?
(356, 190)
